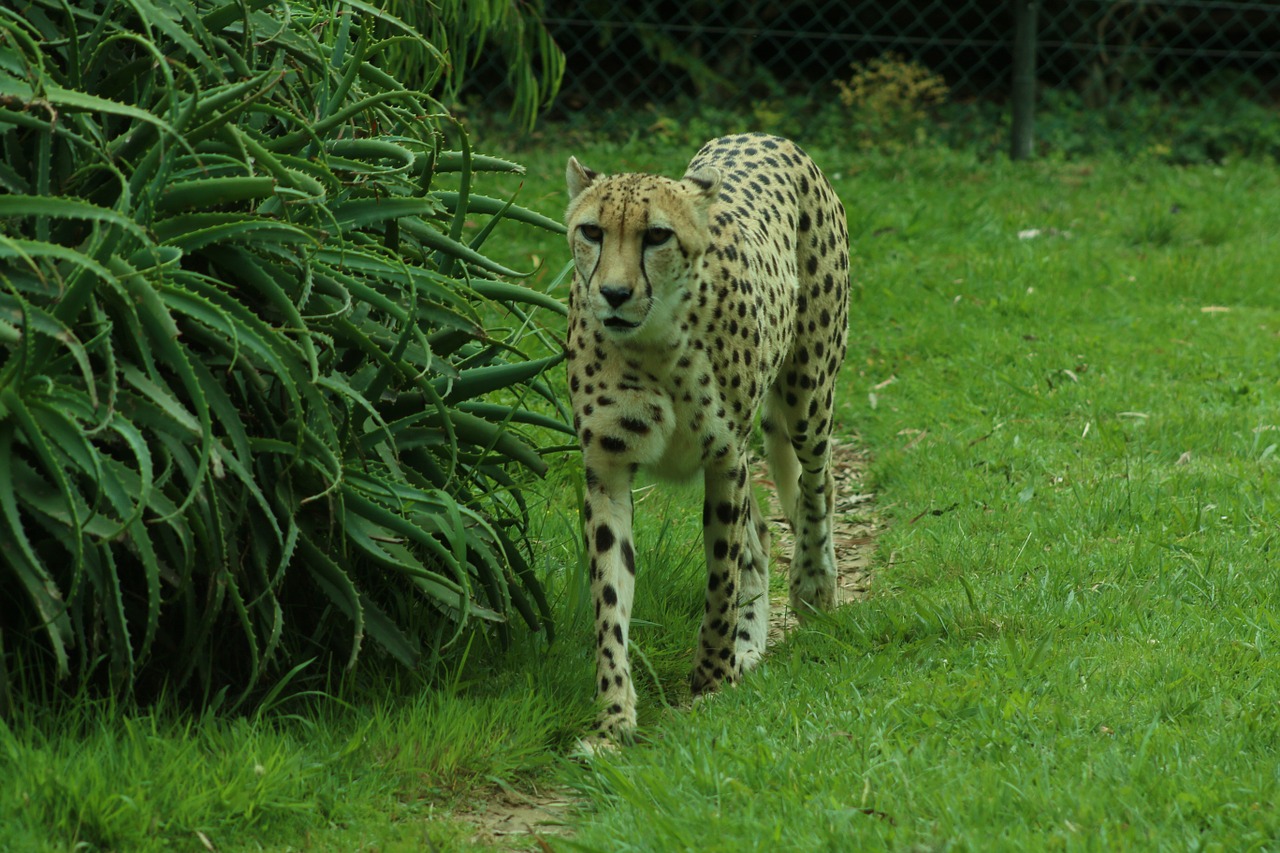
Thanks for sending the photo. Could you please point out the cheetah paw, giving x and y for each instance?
(594, 746)
(750, 658)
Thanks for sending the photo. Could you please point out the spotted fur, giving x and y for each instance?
(695, 305)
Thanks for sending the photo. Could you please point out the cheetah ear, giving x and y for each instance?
(578, 177)
(705, 182)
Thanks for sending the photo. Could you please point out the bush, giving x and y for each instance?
(889, 99)
(247, 411)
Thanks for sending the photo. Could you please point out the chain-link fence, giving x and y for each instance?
(683, 56)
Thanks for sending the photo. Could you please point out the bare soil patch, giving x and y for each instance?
(514, 820)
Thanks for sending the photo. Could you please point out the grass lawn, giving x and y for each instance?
(1072, 636)
(1071, 640)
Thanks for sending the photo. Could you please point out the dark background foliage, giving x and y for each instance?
(1193, 79)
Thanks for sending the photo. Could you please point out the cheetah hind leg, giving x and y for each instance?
(800, 466)
(753, 585)
(784, 466)
(813, 563)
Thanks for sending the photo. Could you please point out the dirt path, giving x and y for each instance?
(514, 820)
(510, 820)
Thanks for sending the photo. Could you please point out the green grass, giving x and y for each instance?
(1072, 638)
(383, 772)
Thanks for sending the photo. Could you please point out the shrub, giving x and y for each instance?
(247, 397)
(888, 99)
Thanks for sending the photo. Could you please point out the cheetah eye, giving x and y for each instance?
(656, 236)
(591, 233)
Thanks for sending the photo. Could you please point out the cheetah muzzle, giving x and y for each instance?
(697, 304)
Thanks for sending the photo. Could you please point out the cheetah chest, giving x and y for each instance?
(700, 435)
(672, 427)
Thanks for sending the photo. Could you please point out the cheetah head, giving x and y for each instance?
(638, 242)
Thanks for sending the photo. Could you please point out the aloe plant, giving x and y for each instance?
(514, 33)
(249, 410)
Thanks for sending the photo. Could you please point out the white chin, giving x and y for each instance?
(622, 328)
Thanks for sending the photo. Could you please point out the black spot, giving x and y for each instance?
(628, 556)
(634, 425)
(610, 595)
(613, 444)
(604, 538)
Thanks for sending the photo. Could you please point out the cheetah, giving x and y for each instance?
(696, 304)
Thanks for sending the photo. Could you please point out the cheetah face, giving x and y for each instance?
(637, 242)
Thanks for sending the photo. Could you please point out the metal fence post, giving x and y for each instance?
(1024, 78)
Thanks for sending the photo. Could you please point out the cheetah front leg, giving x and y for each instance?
(753, 582)
(724, 517)
(607, 531)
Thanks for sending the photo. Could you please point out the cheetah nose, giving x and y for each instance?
(615, 295)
